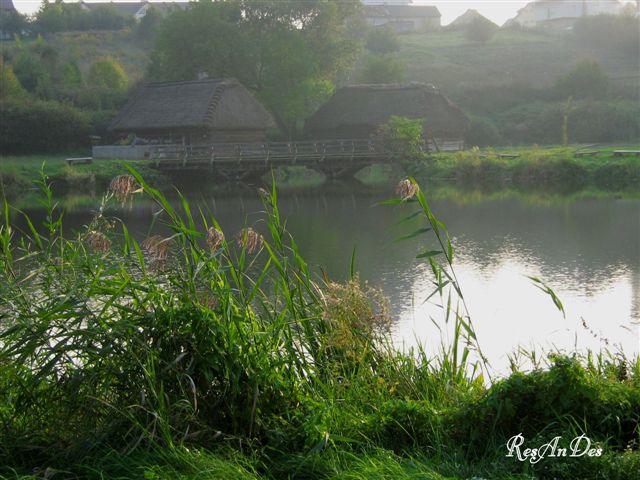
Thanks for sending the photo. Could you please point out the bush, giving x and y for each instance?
(108, 73)
(41, 126)
(585, 80)
(383, 69)
(539, 122)
(563, 400)
(382, 41)
(9, 84)
(596, 121)
(482, 133)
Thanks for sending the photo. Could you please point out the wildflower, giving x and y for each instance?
(157, 247)
(215, 238)
(249, 239)
(124, 186)
(98, 242)
(406, 189)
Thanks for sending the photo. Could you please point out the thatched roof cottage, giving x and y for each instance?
(358, 111)
(194, 112)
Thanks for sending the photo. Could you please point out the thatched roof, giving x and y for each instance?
(359, 106)
(222, 104)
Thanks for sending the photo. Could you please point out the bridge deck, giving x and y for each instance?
(326, 154)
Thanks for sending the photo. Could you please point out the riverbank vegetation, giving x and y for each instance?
(529, 171)
(211, 354)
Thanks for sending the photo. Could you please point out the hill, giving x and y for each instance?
(451, 61)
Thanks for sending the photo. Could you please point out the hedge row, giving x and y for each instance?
(31, 126)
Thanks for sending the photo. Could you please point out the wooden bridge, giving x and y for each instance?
(239, 161)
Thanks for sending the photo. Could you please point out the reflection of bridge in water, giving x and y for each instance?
(238, 161)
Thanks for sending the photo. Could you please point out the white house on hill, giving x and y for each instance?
(548, 12)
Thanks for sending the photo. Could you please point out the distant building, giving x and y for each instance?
(194, 112)
(562, 12)
(6, 8)
(358, 111)
(401, 15)
(136, 9)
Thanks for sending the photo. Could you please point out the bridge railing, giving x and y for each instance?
(269, 153)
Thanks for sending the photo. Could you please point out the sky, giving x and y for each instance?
(498, 11)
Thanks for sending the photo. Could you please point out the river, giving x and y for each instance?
(586, 249)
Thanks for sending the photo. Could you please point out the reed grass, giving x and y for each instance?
(193, 356)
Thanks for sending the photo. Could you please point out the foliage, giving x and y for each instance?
(9, 84)
(108, 73)
(149, 24)
(403, 138)
(382, 41)
(33, 73)
(616, 32)
(30, 126)
(585, 80)
(482, 133)
(383, 69)
(277, 49)
(480, 30)
(62, 17)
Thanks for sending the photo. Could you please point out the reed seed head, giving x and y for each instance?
(250, 239)
(215, 238)
(157, 247)
(98, 242)
(123, 187)
(406, 189)
(263, 193)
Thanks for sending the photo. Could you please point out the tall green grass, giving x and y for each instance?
(208, 355)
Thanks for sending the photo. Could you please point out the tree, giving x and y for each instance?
(278, 49)
(383, 69)
(108, 73)
(9, 84)
(585, 80)
(382, 41)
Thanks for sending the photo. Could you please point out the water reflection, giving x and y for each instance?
(587, 250)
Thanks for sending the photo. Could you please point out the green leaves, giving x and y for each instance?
(546, 289)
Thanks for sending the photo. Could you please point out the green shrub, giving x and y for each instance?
(585, 80)
(402, 425)
(564, 400)
(383, 69)
(38, 127)
(382, 41)
(482, 133)
(108, 73)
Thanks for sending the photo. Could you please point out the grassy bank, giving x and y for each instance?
(18, 174)
(552, 169)
(213, 355)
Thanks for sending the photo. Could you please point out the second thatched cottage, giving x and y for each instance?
(358, 111)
